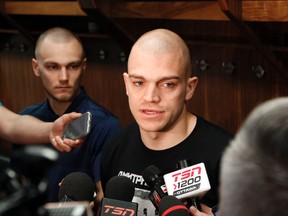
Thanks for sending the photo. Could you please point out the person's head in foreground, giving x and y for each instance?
(254, 175)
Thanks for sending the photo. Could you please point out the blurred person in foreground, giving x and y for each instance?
(254, 168)
(254, 173)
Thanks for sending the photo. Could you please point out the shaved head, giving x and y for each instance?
(161, 41)
(56, 35)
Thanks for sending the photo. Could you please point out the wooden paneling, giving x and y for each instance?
(194, 10)
(65, 8)
(265, 10)
(198, 10)
(21, 87)
(252, 10)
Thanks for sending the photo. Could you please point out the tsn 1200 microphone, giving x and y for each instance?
(171, 206)
(76, 186)
(154, 179)
(190, 200)
(117, 199)
(188, 182)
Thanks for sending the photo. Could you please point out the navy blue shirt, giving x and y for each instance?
(83, 159)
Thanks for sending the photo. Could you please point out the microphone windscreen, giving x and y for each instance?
(150, 174)
(77, 186)
(171, 206)
(120, 188)
(35, 161)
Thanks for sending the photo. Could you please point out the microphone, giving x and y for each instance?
(187, 182)
(154, 179)
(171, 206)
(28, 193)
(76, 186)
(191, 200)
(34, 162)
(119, 193)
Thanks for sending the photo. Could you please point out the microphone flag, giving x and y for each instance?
(191, 181)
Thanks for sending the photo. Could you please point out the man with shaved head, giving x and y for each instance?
(159, 82)
(60, 63)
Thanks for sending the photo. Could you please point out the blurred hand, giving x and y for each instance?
(195, 212)
(56, 133)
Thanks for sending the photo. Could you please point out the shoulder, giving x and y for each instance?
(35, 109)
(207, 127)
(102, 118)
(87, 104)
(209, 135)
(99, 112)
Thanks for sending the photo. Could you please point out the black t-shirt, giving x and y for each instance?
(126, 155)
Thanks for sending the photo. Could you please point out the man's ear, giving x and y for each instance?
(126, 81)
(35, 67)
(84, 64)
(191, 86)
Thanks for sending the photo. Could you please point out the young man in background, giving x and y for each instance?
(60, 63)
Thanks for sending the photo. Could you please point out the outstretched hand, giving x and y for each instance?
(64, 145)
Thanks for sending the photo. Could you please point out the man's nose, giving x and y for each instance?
(63, 74)
(151, 94)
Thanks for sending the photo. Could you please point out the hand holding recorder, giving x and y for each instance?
(69, 130)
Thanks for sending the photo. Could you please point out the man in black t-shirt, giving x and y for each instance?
(158, 85)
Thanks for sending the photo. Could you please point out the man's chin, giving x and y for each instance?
(150, 126)
(64, 99)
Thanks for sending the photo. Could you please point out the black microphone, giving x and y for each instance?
(154, 179)
(171, 206)
(27, 194)
(34, 162)
(117, 199)
(76, 186)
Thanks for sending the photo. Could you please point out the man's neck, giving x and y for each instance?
(59, 107)
(169, 139)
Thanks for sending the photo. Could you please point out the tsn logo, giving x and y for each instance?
(187, 177)
(188, 173)
(188, 182)
(114, 210)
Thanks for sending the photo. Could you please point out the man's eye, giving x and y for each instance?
(138, 83)
(73, 67)
(52, 67)
(169, 85)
